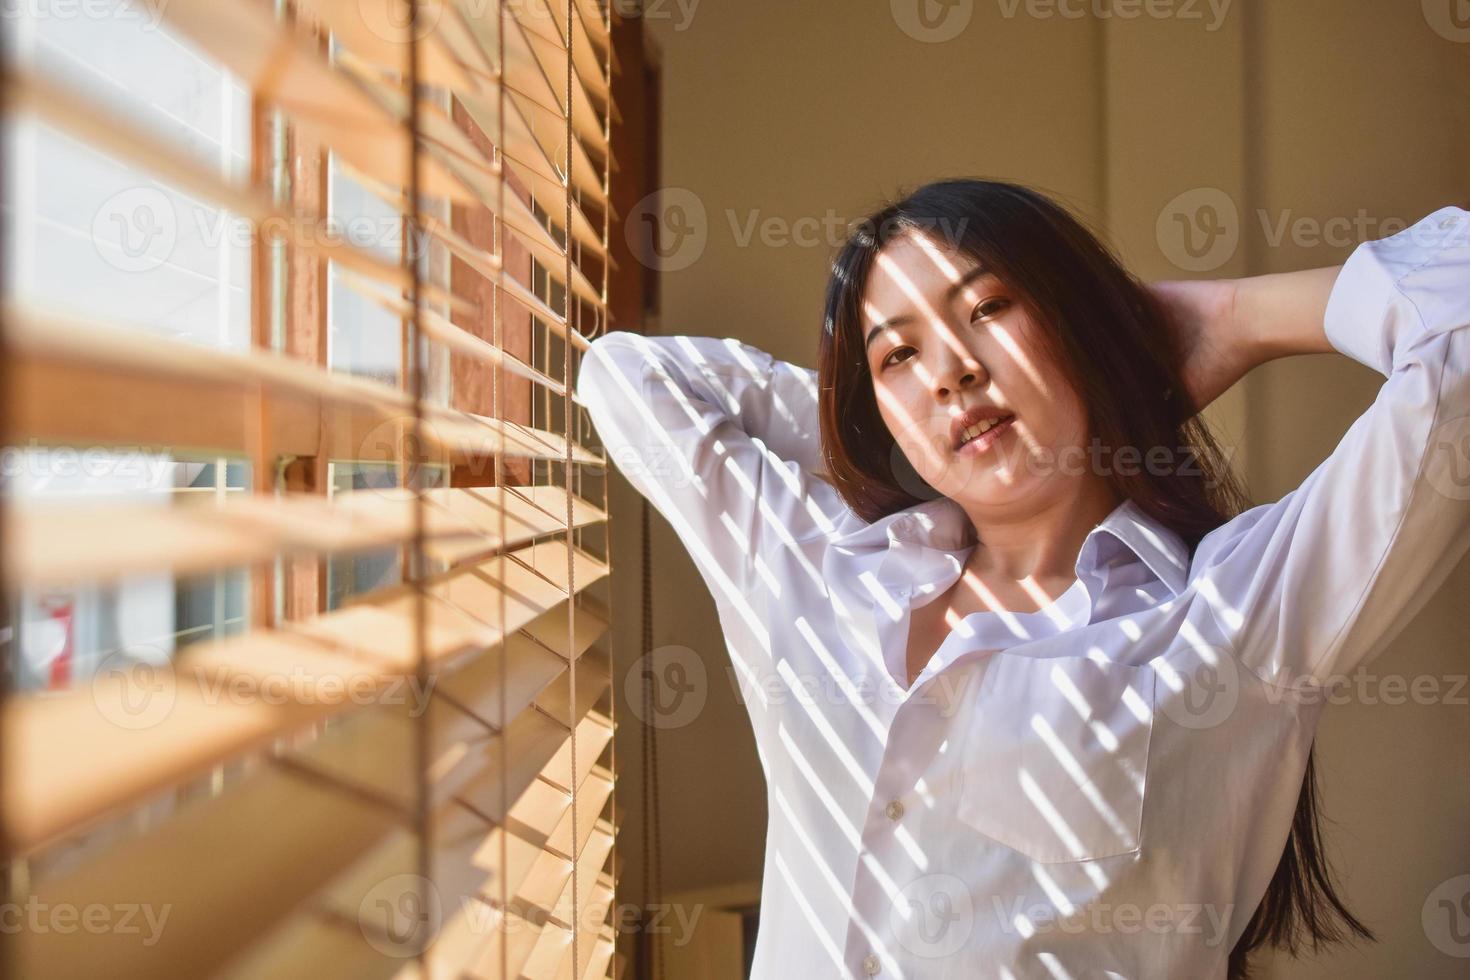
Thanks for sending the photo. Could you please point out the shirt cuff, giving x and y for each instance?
(1368, 316)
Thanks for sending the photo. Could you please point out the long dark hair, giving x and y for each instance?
(1114, 344)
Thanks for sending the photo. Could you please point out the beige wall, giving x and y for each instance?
(1307, 110)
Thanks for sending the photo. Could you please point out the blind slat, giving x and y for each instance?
(52, 544)
(594, 732)
(459, 949)
(596, 27)
(105, 125)
(466, 859)
(322, 753)
(588, 108)
(552, 958)
(476, 689)
(314, 948)
(530, 147)
(526, 229)
(73, 757)
(383, 414)
(492, 268)
(528, 79)
(285, 70)
(458, 52)
(590, 863)
(484, 793)
(307, 836)
(481, 179)
(380, 35)
(545, 22)
(439, 328)
(300, 835)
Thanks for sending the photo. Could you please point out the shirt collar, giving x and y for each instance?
(930, 533)
(1153, 543)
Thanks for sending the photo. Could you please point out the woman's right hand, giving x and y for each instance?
(1216, 348)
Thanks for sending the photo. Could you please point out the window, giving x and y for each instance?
(271, 527)
(79, 215)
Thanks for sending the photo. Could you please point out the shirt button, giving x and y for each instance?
(871, 966)
(894, 809)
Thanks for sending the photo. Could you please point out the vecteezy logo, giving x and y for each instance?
(134, 688)
(416, 449)
(1450, 19)
(909, 477)
(1199, 686)
(933, 915)
(1448, 468)
(1446, 917)
(668, 229)
(400, 915)
(396, 21)
(1199, 230)
(136, 230)
(667, 687)
(932, 21)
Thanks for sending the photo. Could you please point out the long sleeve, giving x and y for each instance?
(1314, 585)
(718, 435)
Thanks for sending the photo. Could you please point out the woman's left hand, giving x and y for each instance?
(1216, 352)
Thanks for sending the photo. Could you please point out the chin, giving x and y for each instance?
(990, 487)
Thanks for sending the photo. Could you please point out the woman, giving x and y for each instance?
(1033, 693)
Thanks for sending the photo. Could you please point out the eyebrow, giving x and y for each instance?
(949, 294)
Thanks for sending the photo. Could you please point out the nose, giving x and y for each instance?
(955, 371)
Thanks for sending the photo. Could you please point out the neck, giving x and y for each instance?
(1037, 538)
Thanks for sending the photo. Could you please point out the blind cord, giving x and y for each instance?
(652, 855)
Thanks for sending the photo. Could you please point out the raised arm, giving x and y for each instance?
(718, 435)
(1285, 313)
(1229, 326)
(1308, 588)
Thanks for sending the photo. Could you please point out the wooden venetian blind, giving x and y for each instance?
(416, 780)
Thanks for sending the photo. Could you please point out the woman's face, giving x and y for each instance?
(949, 344)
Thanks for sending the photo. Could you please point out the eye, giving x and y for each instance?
(995, 304)
(888, 359)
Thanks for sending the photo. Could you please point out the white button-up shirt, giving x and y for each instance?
(1101, 788)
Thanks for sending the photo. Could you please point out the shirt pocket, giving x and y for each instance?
(1054, 761)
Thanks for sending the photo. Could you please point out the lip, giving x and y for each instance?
(971, 417)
